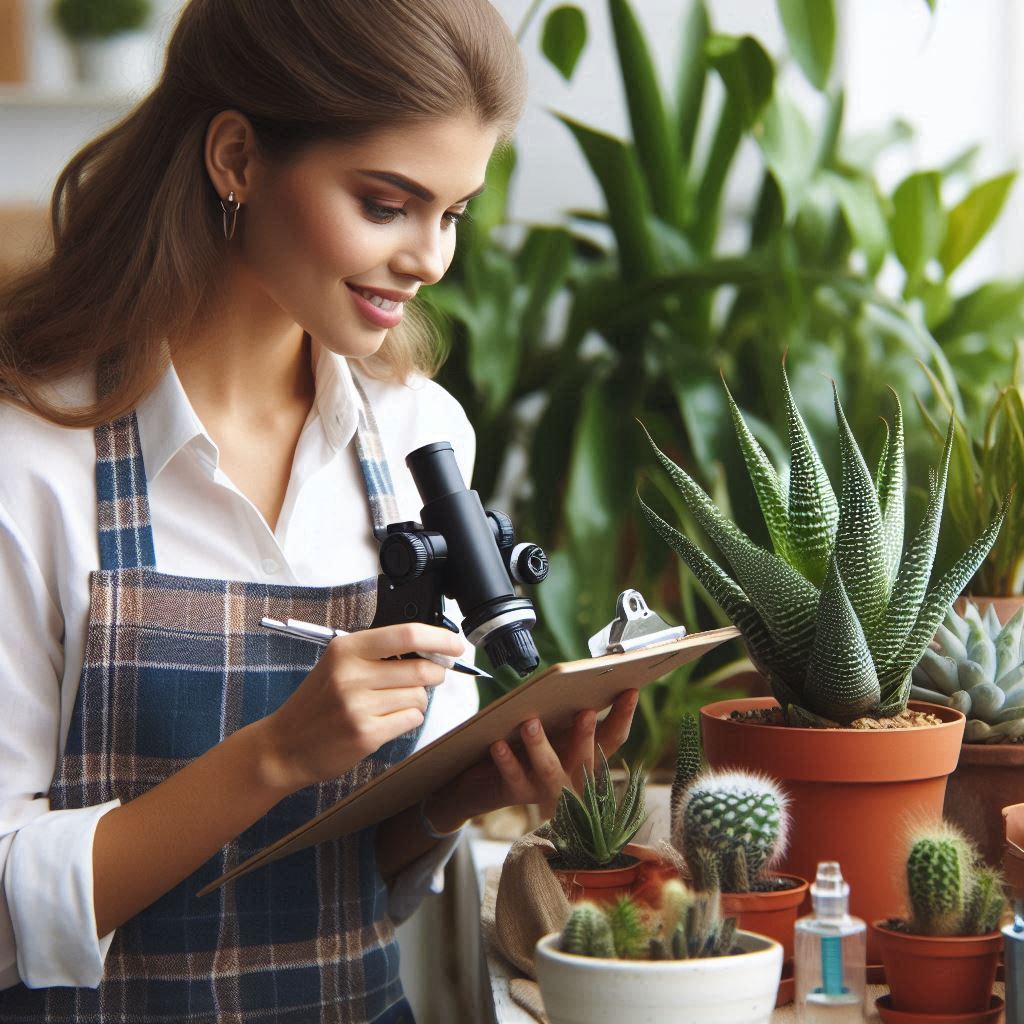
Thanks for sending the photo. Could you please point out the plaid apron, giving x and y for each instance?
(173, 666)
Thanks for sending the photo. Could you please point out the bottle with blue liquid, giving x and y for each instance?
(829, 953)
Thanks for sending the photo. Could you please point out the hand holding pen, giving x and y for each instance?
(323, 635)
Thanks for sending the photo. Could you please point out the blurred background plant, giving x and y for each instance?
(562, 335)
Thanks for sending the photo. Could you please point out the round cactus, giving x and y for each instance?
(587, 932)
(977, 667)
(731, 825)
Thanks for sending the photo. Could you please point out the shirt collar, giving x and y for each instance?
(167, 421)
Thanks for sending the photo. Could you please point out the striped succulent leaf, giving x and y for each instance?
(859, 548)
(784, 598)
(891, 486)
(813, 510)
(845, 681)
(771, 496)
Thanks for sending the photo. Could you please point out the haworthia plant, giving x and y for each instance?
(839, 612)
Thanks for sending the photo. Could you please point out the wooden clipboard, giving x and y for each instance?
(554, 696)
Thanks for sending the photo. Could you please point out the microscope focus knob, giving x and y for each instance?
(529, 563)
(404, 556)
(504, 531)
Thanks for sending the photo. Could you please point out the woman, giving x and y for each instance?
(212, 384)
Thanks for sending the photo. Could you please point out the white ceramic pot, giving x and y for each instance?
(122, 63)
(738, 989)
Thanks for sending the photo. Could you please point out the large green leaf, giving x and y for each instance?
(918, 222)
(692, 64)
(747, 72)
(995, 305)
(653, 135)
(811, 32)
(563, 38)
(490, 208)
(789, 148)
(862, 207)
(544, 262)
(971, 218)
(614, 164)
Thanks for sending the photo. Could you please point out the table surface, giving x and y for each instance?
(488, 856)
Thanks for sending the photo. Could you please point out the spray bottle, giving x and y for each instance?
(829, 953)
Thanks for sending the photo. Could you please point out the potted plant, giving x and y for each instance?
(943, 958)
(731, 829)
(836, 617)
(985, 465)
(109, 48)
(591, 834)
(976, 665)
(686, 965)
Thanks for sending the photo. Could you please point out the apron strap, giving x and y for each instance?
(380, 490)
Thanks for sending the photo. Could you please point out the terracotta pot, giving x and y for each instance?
(988, 777)
(768, 913)
(1005, 606)
(993, 1015)
(939, 974)
(852, 792)
(606, 885)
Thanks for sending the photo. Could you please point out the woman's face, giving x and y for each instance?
(341, 236)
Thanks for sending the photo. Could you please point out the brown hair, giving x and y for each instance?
(136, 221)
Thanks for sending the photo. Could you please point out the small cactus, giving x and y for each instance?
(689, 927)
(732, 827)
(977, 667)
(951, 892)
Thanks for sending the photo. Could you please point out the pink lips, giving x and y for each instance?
(383, 318)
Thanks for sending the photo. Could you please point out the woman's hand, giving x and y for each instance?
(507, 779)
(353, 702)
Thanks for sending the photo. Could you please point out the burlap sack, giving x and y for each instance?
(530, 902)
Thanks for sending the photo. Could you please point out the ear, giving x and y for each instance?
(230, 153)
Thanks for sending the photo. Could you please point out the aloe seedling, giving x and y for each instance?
(589, 831)
(838, 614)
(977, 668)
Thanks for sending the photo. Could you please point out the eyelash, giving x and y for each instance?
(386, 214)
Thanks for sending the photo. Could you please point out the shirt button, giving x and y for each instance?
(270, 566)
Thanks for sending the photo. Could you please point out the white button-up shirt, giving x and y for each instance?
(203, 526)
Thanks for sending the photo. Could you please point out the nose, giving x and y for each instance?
(424, 253)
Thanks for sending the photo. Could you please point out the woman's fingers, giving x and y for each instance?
(389, 641)
(386, 702)
(614, 730)
(580, 753)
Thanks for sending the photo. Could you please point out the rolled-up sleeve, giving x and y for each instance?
(47, 917)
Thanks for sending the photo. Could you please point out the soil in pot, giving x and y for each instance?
(851, 791)
(928, 974)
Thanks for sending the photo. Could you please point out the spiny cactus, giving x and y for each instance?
(590, 831)
(690, 926)
(979, 670)
(838, 614)
(951, 891)
(732, 827)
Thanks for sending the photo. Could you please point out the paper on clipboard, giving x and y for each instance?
(554, 696)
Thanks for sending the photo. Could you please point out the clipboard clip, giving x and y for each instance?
(635, 626)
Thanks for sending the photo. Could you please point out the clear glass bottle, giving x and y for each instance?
(829, 952)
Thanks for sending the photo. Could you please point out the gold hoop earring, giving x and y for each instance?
(230, 208)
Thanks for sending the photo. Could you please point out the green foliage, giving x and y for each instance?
(563, 39)
(976, 665)
(951, 891)
(563, 334)
(590, 831)
(838, 614)
(689, 926)
(984, 466)
(97, 19)
(731, 829)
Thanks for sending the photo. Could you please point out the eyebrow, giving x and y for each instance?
(406, 185)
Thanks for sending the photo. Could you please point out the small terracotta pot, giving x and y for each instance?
(768, 913)
(939, 974)
(838, 781)
(993, 1015)
(988, 777)
(606, 885)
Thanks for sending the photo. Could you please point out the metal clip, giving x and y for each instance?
(633, 627)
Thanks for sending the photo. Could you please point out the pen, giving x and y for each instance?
(323, 635)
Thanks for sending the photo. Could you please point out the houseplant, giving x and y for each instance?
(687, 966)
(731, 828)
(110, 49)
(836, 616)
(987, 462)
(976, 665)
(591, 834)
(943, 958)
